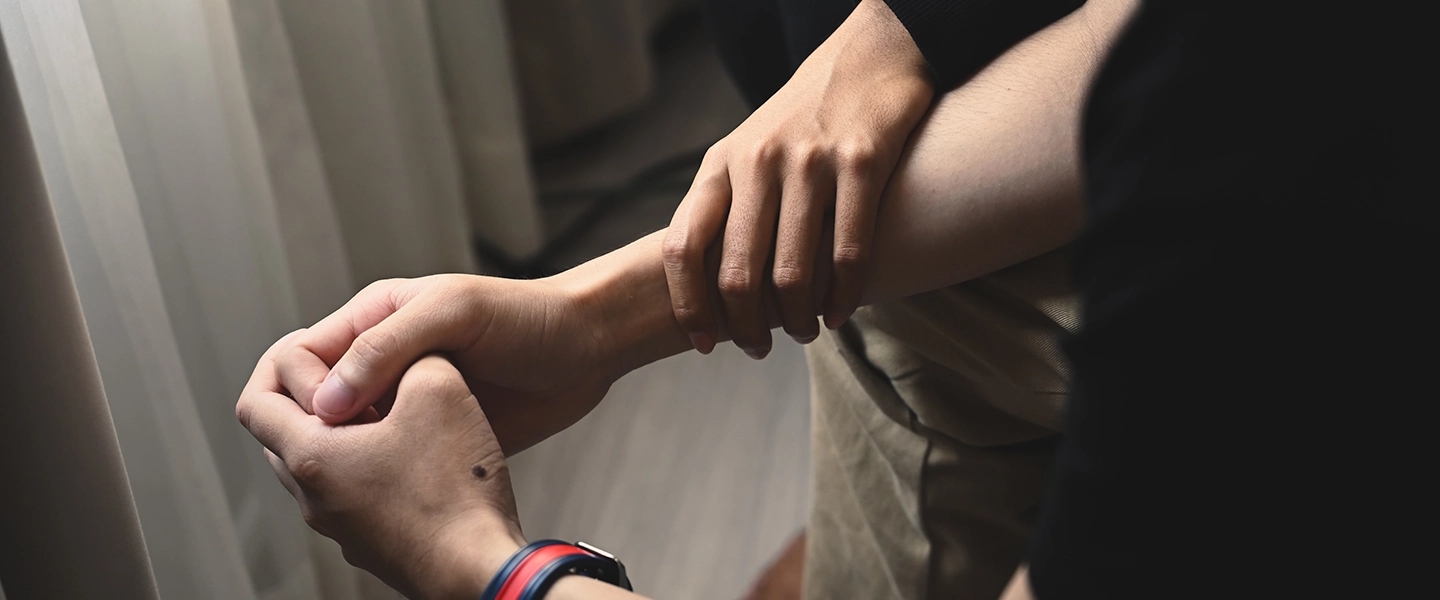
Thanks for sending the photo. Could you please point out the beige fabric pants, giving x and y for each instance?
(934, 420)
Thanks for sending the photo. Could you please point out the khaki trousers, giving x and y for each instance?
(934, 421)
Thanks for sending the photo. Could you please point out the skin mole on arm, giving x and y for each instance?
(479, 471)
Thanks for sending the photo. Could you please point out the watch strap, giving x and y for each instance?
(531, 571)
(492, 591)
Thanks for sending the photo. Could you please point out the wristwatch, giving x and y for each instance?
(530, 572)
(612, 569)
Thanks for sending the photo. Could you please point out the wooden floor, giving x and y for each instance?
(695, 469)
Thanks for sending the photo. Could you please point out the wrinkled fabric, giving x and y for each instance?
(934, 421)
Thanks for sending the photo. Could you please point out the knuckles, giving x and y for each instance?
(688, 315)
(736, 282)
(715, 154)
(712, 180)
(853, 153)
(676, 249)
(309, 471)
(806, 158)
(285, 342)
(380, 287)
(857, 156)
(849, 256)
(790, 278)
(370, 348)
(242, 411)
(291, 354)
(765, 154)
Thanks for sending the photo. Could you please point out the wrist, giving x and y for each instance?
(888, 41)
(466, 555)
(624, 299)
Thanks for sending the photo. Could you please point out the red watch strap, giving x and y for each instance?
(532, 564)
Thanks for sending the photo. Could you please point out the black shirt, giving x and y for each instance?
(958, 37)
(762, 42)
(1256, 347)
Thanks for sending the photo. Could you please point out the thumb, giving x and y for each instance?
(380, 355)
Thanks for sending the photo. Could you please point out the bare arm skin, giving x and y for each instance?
(826, 142)
(989, 180)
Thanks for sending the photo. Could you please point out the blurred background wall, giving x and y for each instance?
(224, 171)
(583, 62)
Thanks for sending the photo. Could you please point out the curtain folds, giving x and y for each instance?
(136, 155)
(68, 525)
(220, 172)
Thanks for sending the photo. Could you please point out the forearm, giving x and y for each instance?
(990, 179)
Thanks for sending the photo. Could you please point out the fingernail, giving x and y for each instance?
(702, 341)
(807, 339)
(757, 353)
(837, 316)
(333, 397)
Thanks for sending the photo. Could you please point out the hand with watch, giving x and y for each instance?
(420, 495)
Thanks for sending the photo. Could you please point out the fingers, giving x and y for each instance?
(305, 362)
(282, 472)
(749, 189)
(749, 235)
(857, 199)
(281, 345)
(300, 372)
(275, 420)
(695, 226)
(331, 337)
(802, 215)
(380, 354)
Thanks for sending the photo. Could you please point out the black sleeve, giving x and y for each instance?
(958, 37)
(1241, 423)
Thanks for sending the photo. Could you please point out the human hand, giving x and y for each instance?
(527, 348)
(421, 497)
(828, 139)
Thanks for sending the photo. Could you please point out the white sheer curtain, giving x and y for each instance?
(222, 171)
